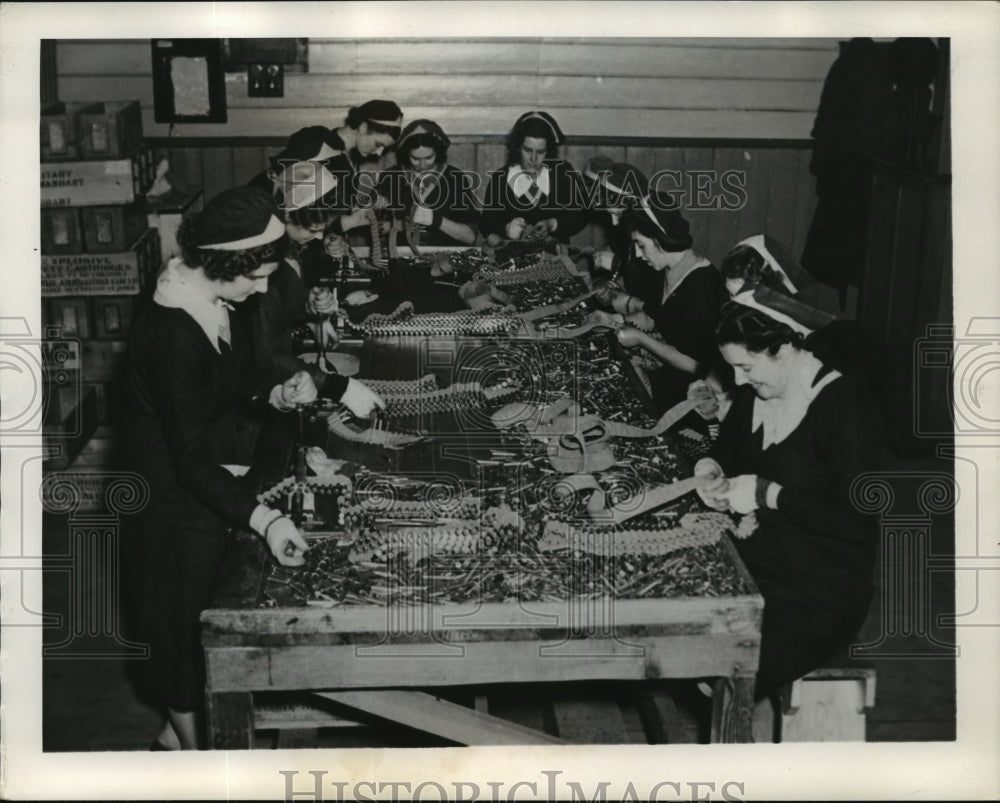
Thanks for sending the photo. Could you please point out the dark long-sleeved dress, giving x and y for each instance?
(452, 196)
(270, 318)
(686, 319)
(189, 410)
(564, 202)
(812, 558)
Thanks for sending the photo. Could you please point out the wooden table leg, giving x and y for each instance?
(229, 718)
(732, 709)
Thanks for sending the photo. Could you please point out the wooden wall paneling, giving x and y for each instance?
(463, 156)
(805, 203)
(248, 161)
(753, 216)
(107, 57)
(323, 93)
(782, 195)
(696, 159)
(186, 168)
(674, 58)
(217, 170)
(412, 58)
(642, 157)
(724, 224)
(490, 156)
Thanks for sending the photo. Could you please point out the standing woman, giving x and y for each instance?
(796, 437)
(191, 404)
(310, 201)
(680, 318)
(424, 189)
(537, 194)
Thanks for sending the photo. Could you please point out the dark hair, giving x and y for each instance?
(222, 265)
(746, 262)
(755, 331)
(375, 110)
(679, 237)
(421, 141)
(312, 215)
(533, 127)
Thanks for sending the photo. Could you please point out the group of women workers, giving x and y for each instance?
(212, 373)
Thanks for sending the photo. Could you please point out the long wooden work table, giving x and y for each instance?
(504, 603)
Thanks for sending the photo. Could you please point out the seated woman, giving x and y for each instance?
(309, 205)
(537, 194)
(314, 143)
(796, 437)
(424, 189)
(620, 188)
(678, 323)
(192, 397)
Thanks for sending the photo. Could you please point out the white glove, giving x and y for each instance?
(359, 297)
(286, 542)
(423, 216)
(361, 399)
(709, 408)
(299, 389)
(335, 245)
(321, 301)
(516, 228)
(708, 468)
(604, 259)
(741, 494)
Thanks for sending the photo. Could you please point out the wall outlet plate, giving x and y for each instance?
(265, 80)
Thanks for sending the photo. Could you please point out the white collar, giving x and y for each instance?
(779, 417)
(174, 291)
(521, 182)
(679, 272)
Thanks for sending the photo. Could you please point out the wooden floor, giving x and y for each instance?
(90, 704)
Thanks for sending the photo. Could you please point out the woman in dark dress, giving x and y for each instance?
(677, 324)
(308, 201)
(424, 189)
(797, 435)
(536, 195)
(192, 400)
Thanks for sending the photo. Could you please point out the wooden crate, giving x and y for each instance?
(125, 273)
(62, 231)
(59, 132)
(111, 316)
(72, 316)
(111, 229)
(109, 129)
(69, 433)
(99, 183)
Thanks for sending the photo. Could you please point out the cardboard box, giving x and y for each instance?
(109, 129)
(115, 181)
(111, 229)
(111, 317)
(62, 231)
(59, 131)
(72, 316)
(126, 273)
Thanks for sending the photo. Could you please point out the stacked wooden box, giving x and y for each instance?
(98, 257)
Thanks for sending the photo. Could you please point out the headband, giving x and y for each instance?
(433, 130)
(274, 230)
(545, 118)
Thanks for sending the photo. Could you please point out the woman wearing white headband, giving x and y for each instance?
(537, 194)
(192, 404)
(310, 203)
(796, 437)
(679, 319)
(428, 191)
